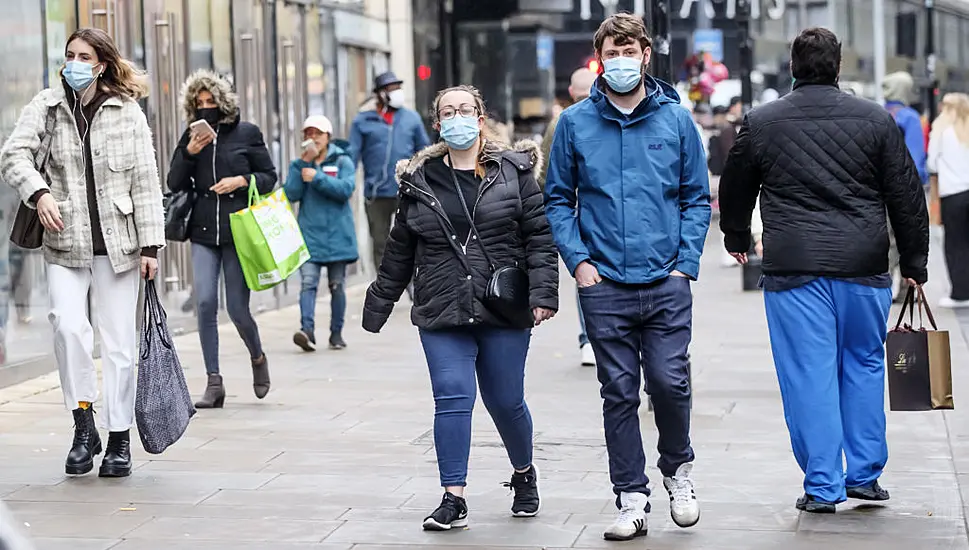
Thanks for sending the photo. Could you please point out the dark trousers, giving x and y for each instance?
(955, 219)
(380, 216)
(461, 359)
(635, 330)
(208, 261)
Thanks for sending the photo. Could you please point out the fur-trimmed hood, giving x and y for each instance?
(526, 154)
(218, 86)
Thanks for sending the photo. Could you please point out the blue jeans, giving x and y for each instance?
(828, 340)
(637, 329)
(336, 275)
(497, 356)
(208, 262)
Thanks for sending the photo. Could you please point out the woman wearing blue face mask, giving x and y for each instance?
(100, 203)
(470, 176)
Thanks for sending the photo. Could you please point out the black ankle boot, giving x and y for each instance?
(86, 445)
(117, 457)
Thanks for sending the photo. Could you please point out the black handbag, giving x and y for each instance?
(506, 294)
(178, 214)
(27, 231)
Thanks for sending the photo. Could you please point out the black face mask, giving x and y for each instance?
(210, 115)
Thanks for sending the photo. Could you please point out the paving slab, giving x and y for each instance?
(340, 455)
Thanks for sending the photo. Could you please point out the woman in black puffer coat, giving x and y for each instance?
(433, 240)
(219, 171)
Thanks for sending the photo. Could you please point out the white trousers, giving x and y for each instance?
(115, 308)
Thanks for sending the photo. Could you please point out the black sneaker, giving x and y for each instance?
(527, 501)
(305, 340)
(808, 503)
(872, 492)
(336, 341)
(452, 513)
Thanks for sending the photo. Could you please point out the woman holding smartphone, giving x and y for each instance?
(216, 157)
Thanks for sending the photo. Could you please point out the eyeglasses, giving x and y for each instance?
(466, 110)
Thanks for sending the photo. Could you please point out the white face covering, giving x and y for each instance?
(395, 99)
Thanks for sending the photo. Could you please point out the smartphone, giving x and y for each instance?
(202, 127)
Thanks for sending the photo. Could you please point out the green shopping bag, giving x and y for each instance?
(267, 238)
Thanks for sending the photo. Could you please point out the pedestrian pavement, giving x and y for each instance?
(340, 454)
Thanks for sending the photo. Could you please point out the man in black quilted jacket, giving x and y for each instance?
(828, 168)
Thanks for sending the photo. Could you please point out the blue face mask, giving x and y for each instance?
(622, 74)
(460, 132)
(78, 75)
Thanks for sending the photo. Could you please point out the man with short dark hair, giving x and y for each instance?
(628, 200)
(827, 166)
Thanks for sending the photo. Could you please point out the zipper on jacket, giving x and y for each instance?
(474, 208)
(390, 149)
(436, 207)
(218, 199)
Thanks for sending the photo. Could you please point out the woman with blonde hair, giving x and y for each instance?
(471, 213)
(100, 203)
(949, 160)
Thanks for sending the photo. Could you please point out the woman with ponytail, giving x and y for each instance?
(470, 206)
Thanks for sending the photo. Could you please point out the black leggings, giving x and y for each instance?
(955, 219)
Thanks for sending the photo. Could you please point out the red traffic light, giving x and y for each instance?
(423, 72)
(594, 65)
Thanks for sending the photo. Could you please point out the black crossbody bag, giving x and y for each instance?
(506, 294)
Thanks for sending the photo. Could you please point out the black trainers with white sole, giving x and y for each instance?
(527, 502)
(451, 514)
(304, 340)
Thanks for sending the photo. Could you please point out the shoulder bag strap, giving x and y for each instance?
(467, 213)
(43, 152)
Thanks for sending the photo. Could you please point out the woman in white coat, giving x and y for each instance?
(100, 203)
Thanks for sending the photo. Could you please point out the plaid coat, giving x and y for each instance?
(129, 196)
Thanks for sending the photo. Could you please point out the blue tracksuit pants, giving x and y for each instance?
(828, 341)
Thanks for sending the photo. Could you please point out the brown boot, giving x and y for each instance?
(260, 376)
(214, 396)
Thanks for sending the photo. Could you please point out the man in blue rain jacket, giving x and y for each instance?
(383, 133)
(322, 181)
(627, 197)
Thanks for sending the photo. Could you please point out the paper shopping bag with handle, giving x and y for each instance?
(267, 238)
(919, 365)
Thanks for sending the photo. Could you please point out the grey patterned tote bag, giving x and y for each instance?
(163, 405)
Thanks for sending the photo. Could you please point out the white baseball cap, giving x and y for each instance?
(319, 122)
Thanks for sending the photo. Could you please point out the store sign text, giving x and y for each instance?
(774, 9)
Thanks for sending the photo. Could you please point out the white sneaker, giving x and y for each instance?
(684, 507)
(632, 521)
(949, 303)
(588, 356)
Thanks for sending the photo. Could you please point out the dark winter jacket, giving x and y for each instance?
(449, 284)
(827, 166)
(239, 150)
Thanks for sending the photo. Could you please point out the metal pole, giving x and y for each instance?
(662, 45)
(930, 57)
(746, 54)
(878, 13)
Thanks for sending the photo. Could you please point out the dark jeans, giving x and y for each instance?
(635, 330)
(380, 216)
(955, 219)
(497, 356)
(207, 262)
(336, 274)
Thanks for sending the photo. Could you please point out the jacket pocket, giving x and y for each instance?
(63, 241)
(120, 148)
(127, 232)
